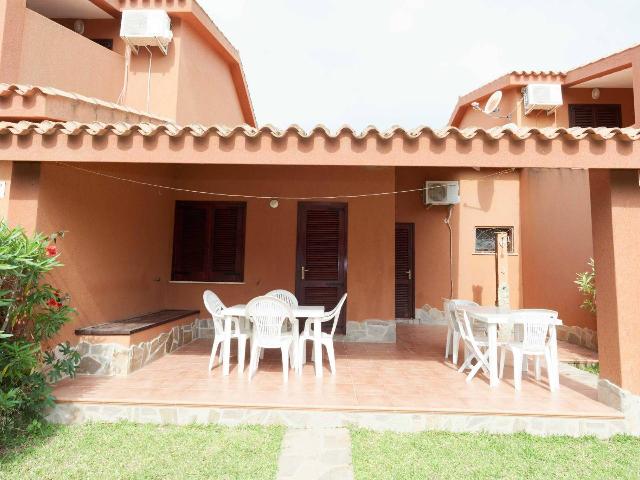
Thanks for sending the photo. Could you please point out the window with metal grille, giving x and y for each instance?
(486, 239)
(208, 242)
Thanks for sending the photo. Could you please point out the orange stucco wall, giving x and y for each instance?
(117, 251)
(52, 55)
(5, 176)
(484, 202)
(271, 233)
(556, 240)
(616, 221)
(206, 91)
(115, 247)
(192, 84)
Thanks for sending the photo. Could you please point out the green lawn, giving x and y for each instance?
(591, 367)
(437, 455)
(131, 451)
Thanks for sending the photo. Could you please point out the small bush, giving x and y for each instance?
(31, 313)
(586, 282)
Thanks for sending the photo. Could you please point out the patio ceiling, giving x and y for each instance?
(619, 79)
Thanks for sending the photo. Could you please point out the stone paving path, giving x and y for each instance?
(316, 454)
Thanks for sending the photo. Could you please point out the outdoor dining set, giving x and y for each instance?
(483, 330)
(272, 321)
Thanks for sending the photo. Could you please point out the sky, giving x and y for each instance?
(405, 62)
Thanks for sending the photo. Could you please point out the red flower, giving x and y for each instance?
(53, 303)
(52, 250)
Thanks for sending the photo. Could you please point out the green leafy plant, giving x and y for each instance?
(586, 282)
(32, 312)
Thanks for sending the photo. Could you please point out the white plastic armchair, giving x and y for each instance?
(284, 295)
(532, 327)
(214, 306)
(268, 315)
(453, 331)
(324, 339)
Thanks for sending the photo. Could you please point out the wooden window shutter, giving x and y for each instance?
(190, 242)
(227, 258)
(403, 265)
(208, 242)
(608, 116)
(595, 115)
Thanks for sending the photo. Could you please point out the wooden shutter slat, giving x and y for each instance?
(227, 255)
(595, 115)
(323, 245)
(404, 284)
(209, 241)
(190, 243)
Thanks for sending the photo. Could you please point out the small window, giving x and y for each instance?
(486, 239)
(208, 242)
(105, 42)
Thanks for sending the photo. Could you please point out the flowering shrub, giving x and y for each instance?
(586, 282)
(31, 313)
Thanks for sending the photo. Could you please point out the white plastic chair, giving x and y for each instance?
(214, 306)
(453, 331)
(476, 349)
(291, 300)
(268, 315)
(532, 330)
(284, 295)
(326, 339)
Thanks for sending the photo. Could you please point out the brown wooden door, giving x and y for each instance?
(405, 278)
(321, 266)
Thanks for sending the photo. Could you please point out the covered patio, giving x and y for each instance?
(122, 217)
(410, 376)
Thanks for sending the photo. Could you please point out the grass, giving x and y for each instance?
(439, 455)
(133, 451)
(589, 367)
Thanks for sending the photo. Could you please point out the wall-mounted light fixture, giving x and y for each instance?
(273, 203)
(595, 93)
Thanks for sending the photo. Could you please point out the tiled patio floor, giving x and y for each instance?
(409, 376)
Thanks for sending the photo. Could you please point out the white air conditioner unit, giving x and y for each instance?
(441, 192)
(146, 28)
(542, 96)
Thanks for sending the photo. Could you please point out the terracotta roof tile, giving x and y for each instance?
(150, 130)
(539, 73)
(31, 90)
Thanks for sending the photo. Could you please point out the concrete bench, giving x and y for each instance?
(124, 346)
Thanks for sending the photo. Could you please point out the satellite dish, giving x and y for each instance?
(493, 103)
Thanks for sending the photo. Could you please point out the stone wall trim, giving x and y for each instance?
(70, 413)
(117, 359)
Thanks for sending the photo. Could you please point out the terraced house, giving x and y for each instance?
(145, 148)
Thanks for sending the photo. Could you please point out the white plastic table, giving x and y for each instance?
(494, 316)
(311, 312)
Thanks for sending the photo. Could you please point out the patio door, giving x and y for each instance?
(405, 277)
(321, 265)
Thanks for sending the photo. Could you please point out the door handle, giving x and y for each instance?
(409, 274)
(302, 271)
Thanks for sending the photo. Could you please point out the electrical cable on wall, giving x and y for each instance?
(447, 221)
(127, 63)
(149, 80)
(264, 197)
